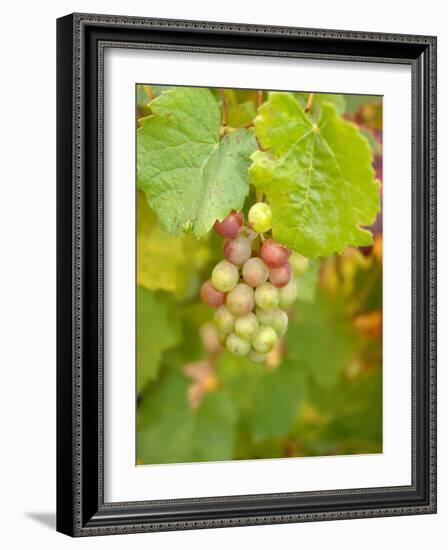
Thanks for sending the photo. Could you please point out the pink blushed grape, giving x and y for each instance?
(280, 276)
(273, 254)
(211, 296)
(237, 251)
(255, 272)
(230, 226)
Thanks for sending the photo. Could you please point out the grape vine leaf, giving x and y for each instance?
(267, 400)
(190, 176)
(307, 282)
(352, 411)
(317, 176)
(166, 262)
(277, 398)
(239, 377)
(157, 331)
(321, 339)
(170, 431)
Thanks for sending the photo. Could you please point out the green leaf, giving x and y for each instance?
(321, 338)
(267, 400)
(277, 398)
(159, 89)
(163, 423)
(318, 177)
(157, 331)
(191, 178)
(169, 431)
(307, 282)
(214, 424)
(166, 262)
(352, 411)
(192, 316)
(239, 378)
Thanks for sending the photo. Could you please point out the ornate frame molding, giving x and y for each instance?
(81, 509)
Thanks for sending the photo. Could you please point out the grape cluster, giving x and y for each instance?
(252, 286)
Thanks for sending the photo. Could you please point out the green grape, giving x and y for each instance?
(280, 323)
(265, 339)
(255, 272)
(246, 327)
(267, 296)
(240, 300)
(260, 217)
(256, 357)
(225, 276)
(224, 320)
(288, 293)
(237, 345)
(265, 317)
(298, 263)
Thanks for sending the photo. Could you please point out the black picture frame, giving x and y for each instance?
(81, 39)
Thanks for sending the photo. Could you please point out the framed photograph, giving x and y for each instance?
(246, 274)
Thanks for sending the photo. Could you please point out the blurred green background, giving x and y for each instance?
(320, 392)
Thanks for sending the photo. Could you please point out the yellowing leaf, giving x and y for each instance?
(164, 261)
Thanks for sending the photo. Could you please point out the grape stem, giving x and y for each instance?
(309, 103)
(259, 97)
(225, 111)
(149, 92)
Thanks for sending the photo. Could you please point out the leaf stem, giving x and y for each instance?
(149, 92)
(309, 103)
